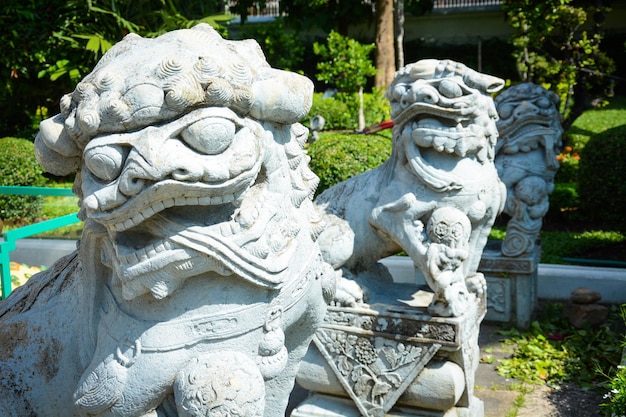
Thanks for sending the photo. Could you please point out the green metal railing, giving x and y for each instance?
(11, 236)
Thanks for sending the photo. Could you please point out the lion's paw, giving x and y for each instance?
(477, 284)
(348, 294)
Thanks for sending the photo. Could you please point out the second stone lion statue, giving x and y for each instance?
(442, 158)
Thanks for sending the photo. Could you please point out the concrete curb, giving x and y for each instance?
(555, 282)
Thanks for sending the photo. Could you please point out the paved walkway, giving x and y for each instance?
(499, 394)
(504, 397)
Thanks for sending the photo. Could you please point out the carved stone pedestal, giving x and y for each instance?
(512, 285)
(390, 358)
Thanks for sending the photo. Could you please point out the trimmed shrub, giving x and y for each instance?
(376, 107)
(335, 113)
(602, 179)
(341, 111)
(564, 203)
(18, 166)
(335, 157)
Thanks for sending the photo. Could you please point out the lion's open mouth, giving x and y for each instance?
(447, 130)
(170, 194)
(237, 234)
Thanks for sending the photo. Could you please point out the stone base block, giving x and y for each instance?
(391, 358)
(511, 285)
(319, 405)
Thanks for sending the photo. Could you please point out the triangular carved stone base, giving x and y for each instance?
(374, 371)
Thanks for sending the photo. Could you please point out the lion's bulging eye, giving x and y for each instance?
(105, 162)
(450, 89)
(506, 110)
(209, 136)
(544, 103)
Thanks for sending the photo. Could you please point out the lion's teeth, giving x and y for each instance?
(161, 246)
(191, 201)
(148, 212)
(130, 258)
(225, 229)
(449, 145)
(138, 219)
(204, 201)
(234, 227)
(142, 255)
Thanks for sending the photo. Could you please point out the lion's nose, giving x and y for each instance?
(140, 172)
(524, 109)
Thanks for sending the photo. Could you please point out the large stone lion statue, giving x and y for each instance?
(197, 284)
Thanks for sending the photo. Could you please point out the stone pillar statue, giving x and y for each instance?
(382, 349)
(198, 282)
(530, 131)
(530, 140)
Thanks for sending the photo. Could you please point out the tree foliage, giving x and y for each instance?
(275, 39)
(61, 40)
(345, 63)
(327, 15)
(557, 44)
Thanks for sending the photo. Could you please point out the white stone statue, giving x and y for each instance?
(197, 284)
(530, 139)
(442, 161)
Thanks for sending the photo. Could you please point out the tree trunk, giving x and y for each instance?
(399, 18)
(385, 53)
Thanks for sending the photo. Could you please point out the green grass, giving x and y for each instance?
(553, 351)
(557, 245)
(596, 121)
(59, 206)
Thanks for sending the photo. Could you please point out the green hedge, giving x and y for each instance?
(18, 166)
(335, 157)
(602, 179)
(341, 111)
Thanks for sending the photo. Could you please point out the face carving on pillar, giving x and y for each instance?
(529, 121)
(191, 162)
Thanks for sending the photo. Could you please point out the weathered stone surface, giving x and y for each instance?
(198, 282)
(511, 285)
(585, 296)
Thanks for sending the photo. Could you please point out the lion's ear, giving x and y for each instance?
(54, 148)
(281, 96)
